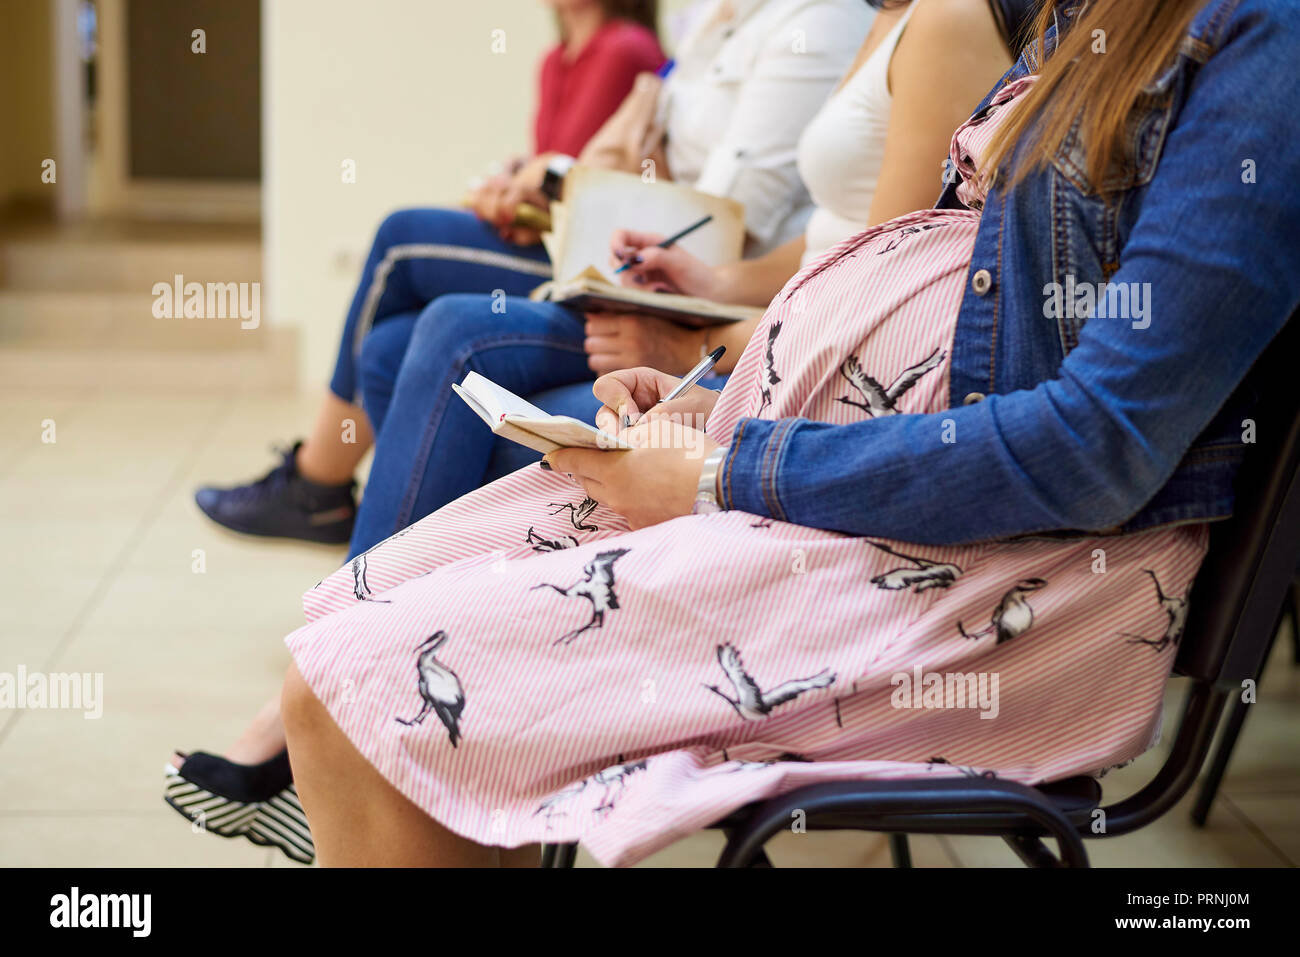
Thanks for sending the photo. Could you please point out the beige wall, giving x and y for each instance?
(408, 89)
(27, 105)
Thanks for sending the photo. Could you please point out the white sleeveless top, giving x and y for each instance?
(842, 149)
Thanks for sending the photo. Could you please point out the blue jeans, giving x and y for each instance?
(430, 447)
(417, 256)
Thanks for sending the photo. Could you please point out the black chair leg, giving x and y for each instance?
(1232, 729)
(558, 855)
(1293, 609)
(1219, 766)
(899, 850)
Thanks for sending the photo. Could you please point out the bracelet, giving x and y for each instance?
(706, 491)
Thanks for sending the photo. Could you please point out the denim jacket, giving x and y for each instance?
(1135, 417)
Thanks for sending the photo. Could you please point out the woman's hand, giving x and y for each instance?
(485, 199)
(621, 341)
(636, 392)
(652, 483)
(525, 186)
(496, 199)
(664, 270)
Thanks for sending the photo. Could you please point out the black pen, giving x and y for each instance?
(668, 242)
(704, 367)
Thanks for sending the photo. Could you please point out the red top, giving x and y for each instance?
(575, 97)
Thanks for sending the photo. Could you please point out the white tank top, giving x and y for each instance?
(842, 149)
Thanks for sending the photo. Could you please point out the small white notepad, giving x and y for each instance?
(520, 421)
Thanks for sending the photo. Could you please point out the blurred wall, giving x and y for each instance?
(27, 104)
(410, 91)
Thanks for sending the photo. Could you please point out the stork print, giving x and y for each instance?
(1012, 617)
(878, 400)
(597, 586)
(578, 513)
(613, 780)
(839, 718)
(361, 587)
(751, 702)
(967, 771)
(897, 237)
(1175, 608)
(439, 687)
(549, 545)
(769, 377)
(925, 575)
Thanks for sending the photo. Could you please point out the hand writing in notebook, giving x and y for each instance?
(664, 270)
(634, 392)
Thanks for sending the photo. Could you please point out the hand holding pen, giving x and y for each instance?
(627, 392)
(641, 260)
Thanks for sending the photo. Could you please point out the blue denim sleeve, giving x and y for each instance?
(1088, 449)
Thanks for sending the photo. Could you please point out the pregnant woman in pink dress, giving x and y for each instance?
(525, 668)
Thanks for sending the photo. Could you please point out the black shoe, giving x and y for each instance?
(253, 801)
(283, 504)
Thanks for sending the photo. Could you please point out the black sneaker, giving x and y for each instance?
(283, 504)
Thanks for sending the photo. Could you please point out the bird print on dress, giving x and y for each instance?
(740, 764)
(440, 688)
(925, 575)
(899, 235)
(1175, 608)
(969, 772)
(839, 717)
(1013, 616)
(878, 400)
(751, 702)
(769, 377)
(597, 586)
(541, 544)
(361, 587)
(578, 513)
(613, 781)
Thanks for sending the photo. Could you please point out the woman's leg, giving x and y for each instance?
(357, 818)
(433, 448)
(336, 444)
(417, 255)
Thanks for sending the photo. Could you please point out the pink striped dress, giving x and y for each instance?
(525, 668)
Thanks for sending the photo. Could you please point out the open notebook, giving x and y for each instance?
(520, 421)
(596, 203)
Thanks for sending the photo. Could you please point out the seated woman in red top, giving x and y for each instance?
(604, 45)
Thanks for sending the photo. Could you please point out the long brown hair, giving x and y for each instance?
(1097, 89)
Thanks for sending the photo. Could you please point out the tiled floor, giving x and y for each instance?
(100, 539)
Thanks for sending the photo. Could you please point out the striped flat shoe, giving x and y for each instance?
(253, 801)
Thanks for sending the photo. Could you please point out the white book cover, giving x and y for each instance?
(520, 421)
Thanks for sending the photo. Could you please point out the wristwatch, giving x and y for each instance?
(553, 181)
(706, 492)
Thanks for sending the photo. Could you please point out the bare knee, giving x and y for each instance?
(300, 709)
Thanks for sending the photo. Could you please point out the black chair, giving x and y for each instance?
(1240, 708)
(1234, 608)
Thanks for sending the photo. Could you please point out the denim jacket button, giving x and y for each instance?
(981, 282)
(972, 398)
